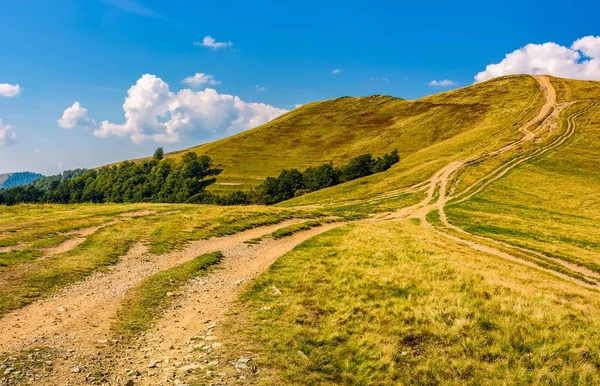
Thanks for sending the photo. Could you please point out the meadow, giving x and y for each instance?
(391, 303)
(474, 260)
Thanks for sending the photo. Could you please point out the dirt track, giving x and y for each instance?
(442, 179)
(76, 319)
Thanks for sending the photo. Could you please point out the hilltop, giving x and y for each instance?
(337, 130)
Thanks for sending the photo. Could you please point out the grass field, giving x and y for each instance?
(387, 303)
(502, 291)
(28, 272)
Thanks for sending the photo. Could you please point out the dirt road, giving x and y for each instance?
(76, 321)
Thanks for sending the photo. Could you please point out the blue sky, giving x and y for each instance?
(280, 54)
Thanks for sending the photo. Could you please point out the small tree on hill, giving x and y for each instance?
(159, 154)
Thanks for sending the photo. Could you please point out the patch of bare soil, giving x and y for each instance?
(75, 323)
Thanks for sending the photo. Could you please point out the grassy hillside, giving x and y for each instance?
(549, 204)
(475, 260)
(424, 131)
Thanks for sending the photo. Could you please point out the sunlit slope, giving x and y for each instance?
(425, 131)
(549, 204)
(485, 116)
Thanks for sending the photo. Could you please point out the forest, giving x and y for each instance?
(163, 180)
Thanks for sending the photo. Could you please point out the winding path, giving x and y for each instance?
(440, 182)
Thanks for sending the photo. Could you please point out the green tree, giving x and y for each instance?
(159, 154)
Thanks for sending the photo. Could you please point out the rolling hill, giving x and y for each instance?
(475, 259)
(337, 130)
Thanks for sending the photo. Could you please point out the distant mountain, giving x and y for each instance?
(45, 182)
(10, 180)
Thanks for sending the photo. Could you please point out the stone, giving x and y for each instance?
(8, 371)
(213, 363)
(276, 291)
(130, 383)
(102, 341)
(61, 309)
(265, 308)
(244, 360)
(170, 294)
(216, 345)
(302, 355)
(152, 364)
(191, 367)
(75, 370)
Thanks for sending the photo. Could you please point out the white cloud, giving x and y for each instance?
(200, 79)
(153, 112)
(336, 71)
(7, 135)
(442, 83)
(134, 7)
(383, 79)
(36, 150)
(260, 88)
(210, 42)
(75, 116)
(297, 105)
(580, 61)
(59, 165)
(9, 90)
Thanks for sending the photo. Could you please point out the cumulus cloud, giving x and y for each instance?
(260, 88)
(383, 79)
(579, 61)
(9, 90)
(75, 116)
(153, 112)
(442, 83)
(7, 135)
(200, 79)
(210, 42)
(336, 71)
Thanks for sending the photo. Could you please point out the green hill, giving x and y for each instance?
(474, 260)
(339, 129)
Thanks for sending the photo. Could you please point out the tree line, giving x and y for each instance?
(292, 183)
(184, 181)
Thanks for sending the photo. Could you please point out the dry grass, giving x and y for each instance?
(392, 303)
(27, 274)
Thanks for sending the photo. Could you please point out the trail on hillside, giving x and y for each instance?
(188, 335)
(440, 182)
(77, 318)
